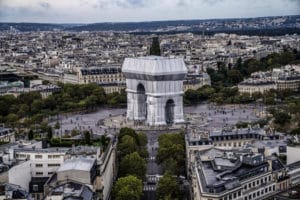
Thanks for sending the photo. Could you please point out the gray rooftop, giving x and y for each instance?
(80, 163)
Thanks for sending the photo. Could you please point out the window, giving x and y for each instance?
(35, 188)
(253, 184)
(50, 173)
(54, 165)
(266, 190)
(269, 178)
(273, 187)
(246, 198)
(265, 179)
(258, 193)
(38, 156)
(245, 187)
(250, 196)
(234, 195)
(257, 182)
(39, 165)
(239, 193)
(254, 195)
(56, 156)
(39, 173)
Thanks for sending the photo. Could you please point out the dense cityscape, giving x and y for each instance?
(156, 110)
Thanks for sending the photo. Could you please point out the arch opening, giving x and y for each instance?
(142, 102)
(169, 111)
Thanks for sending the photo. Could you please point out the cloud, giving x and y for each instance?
(44, 4)
(89, 11)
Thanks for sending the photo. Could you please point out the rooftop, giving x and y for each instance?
(72, 190)
(154, 65)
(79, 163)
(220, 170)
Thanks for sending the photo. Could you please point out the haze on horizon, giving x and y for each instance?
(92, 11)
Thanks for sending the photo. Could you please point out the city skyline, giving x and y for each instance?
(94, 11)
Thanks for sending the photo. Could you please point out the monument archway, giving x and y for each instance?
(154, 87)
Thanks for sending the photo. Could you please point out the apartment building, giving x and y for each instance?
(228, 175)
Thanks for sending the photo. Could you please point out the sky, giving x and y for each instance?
(92, 11)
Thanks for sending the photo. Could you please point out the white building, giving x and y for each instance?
(154, 89)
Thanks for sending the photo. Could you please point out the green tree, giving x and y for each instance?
(172, 149)
(239, 63)
(127, 145)
(128, 188)
(49, 132)
(23, 110)
(87, 137)
(75, 132)
(155, 47)
(36, 106)
(28, 97)
(128, 131)
(30, 135)
(91, 102)
(142, 138)
(133, 164)
(57, 125)
(234, 76)
(12, 119)
(167, 188)
(282, 118)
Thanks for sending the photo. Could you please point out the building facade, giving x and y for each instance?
(242, 175)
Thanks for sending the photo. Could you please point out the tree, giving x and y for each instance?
(36, 106)
(128, 188)
(172, 149)
(28, 97)
(128, 131)
(91, 102)
(133, 164)
(167, 188)
(155, 47)
(142, 138)
(23, 110)
(12, 119)
(234, 76)
(57, 125)
(49, 132)
(142, 141)
(191, 96)
(127, 145)
(75, 132)
(87, 137)
(239, 63)
(282, 118)
(30, 135)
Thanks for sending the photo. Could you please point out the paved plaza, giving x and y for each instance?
(207, 116)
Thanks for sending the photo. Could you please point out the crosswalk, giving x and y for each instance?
(149, 188)
(151, 183)
(152, 179)
(151, 158)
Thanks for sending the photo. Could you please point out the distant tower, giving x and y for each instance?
(155, 89)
